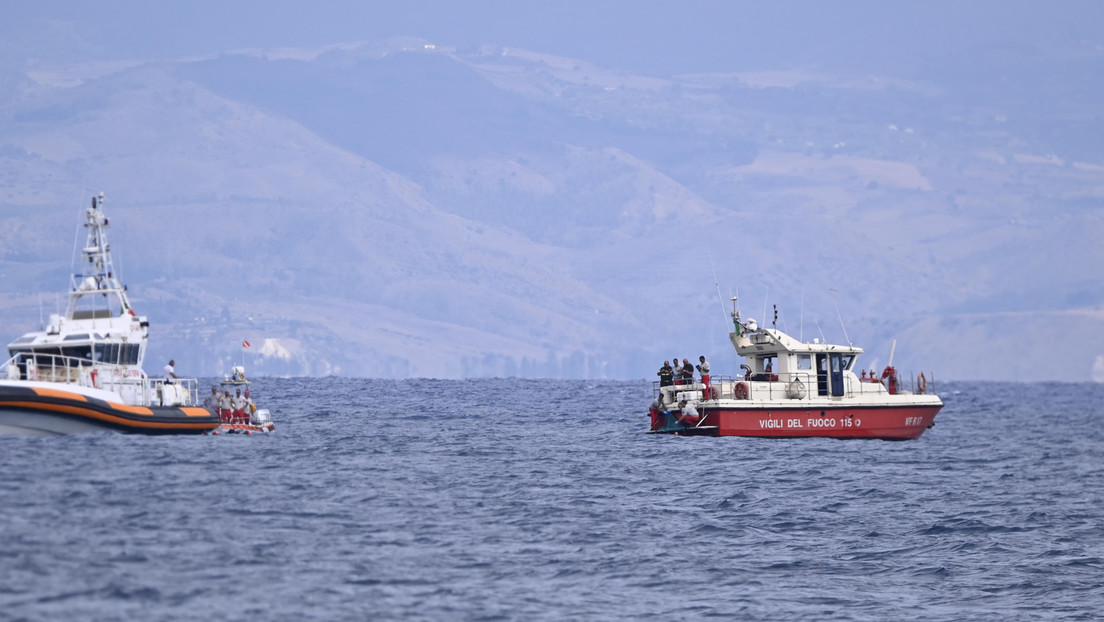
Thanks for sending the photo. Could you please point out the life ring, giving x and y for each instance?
(741, 391)
(921, 384)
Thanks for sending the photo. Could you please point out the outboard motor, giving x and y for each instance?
(260, 417)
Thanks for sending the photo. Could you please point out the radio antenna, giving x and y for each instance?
(717, 284)
(840, 316)
(801, 320)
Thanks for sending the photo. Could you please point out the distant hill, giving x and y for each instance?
(396, 208)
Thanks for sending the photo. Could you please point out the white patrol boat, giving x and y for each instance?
(794, 389)
(83, 371)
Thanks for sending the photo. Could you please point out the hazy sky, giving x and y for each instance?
(656, 37)
(1003, 95)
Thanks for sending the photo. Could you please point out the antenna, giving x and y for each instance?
(775, 323)
(840, 316)
(76, 240)
(801, 319)
(766, 295)
(736, 325)
(717, 284)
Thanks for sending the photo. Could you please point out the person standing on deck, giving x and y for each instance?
(666, 374)
(211, 402)
(238, 406)
(226, 406)
(655, 411)
(250, 406)
(687, 372)
(703, 369)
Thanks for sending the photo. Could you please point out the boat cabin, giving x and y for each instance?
(773, 356)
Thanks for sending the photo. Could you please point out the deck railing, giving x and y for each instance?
(131, 383)
(793, 385)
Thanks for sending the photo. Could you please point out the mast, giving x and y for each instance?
(94, 280)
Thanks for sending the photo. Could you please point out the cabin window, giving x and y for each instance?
(847, 360)
(107, 353)
(131, 352)
(77, 352)
(804, 361)
(117, 353)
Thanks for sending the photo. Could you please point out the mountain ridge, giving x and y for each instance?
(549, 218)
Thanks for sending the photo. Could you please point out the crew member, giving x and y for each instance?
(170, 372)
(250, 406)
(703, 369)
(655, 411)
(666, 374)
(688, 415)
(687, 372)
(237, 403)
(211, 402)
(226, 407)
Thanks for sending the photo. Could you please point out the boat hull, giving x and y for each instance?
(39, 411)
(891, 422)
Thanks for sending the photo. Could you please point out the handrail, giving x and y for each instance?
(71, 370)
(781, 382)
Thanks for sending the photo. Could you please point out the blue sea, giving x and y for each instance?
(513, 499)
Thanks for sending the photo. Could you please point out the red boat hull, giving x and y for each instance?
(882, 422)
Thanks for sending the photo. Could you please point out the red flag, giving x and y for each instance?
(245, 344)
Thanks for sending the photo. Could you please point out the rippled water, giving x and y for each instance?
(515, 499)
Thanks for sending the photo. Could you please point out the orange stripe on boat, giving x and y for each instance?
(192, 411)
(65, 395)
(134, 410)
(92, 414)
